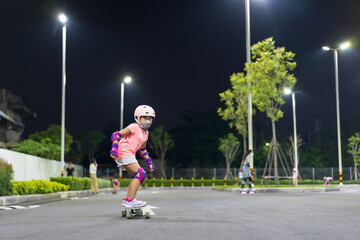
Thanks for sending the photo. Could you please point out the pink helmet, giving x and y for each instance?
(143, 110)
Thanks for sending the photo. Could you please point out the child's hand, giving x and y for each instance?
(150, 164)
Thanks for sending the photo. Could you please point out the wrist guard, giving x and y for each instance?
(115, 138)
(148, 161)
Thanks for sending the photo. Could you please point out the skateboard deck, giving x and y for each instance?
(130, 212)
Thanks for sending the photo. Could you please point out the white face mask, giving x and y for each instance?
(145, 124)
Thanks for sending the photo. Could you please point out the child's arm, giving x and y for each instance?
(145, 155)
(115, 138)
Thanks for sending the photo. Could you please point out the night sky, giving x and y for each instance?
(180, 54)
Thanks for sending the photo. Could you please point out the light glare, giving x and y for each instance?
(326, 48)
(345, 45)
(287, 91)
(62, 18)
(127, 79)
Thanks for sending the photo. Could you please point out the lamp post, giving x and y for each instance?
(63, 20)
(248, 60)
(342, 47)
(288, 91)
(126, 80)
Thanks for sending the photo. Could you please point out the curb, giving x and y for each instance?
(9, 200)
(283, 190)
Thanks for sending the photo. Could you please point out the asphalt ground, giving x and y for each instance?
(189, 214)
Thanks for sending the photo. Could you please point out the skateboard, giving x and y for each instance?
(130, 212)
(246, 191)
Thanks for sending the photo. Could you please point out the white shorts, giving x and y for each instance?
(125, 161)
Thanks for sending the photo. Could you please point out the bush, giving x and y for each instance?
(76, 183)
(37, 187)
(104, 183)
(6, 175)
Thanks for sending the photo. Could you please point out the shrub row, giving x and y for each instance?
(6, 175)
(220, 182)
(37, 187)
(77, 183)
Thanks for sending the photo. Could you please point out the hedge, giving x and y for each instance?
(77, 183)
(6, 175)
(37, 187)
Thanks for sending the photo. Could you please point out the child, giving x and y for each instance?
(134, 138)
(115, 184)
(327, 180)
(246, 172)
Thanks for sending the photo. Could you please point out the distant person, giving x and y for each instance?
(246, 172)
(94, 184)
(294, 177)
(115, 184)
(327, 180)
(70, 170)
(125, 144)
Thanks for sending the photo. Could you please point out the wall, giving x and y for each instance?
(27, 167)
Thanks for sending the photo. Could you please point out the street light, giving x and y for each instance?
(127, 79)
(288, 91)
(63, 20)
(248, 60)
(343, 46)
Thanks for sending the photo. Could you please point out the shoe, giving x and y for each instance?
(134, 203)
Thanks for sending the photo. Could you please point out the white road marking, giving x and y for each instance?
(148, 208)
(17, 207)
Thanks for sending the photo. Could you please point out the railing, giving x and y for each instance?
(220, 173)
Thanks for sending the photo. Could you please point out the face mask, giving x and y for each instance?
(145, 124)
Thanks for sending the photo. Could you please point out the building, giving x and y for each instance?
(12, 113)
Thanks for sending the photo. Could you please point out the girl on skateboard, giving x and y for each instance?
(246, 173)
(123, 150)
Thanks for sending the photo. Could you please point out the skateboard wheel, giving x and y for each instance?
(129, 215)
(147, 215)
(123, 213)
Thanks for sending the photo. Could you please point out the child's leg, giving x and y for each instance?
(135, 182)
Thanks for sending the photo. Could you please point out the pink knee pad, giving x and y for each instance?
(142, 175)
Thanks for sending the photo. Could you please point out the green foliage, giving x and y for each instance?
(90, 140)
(46, 144)
(269, 75)
(37, 187)
(104, 183)
(229, 145)
(76, 183)
(45, 148)
(236, 102)
(75, 153)
(353, 147)
(160, 143)
(6, 175)
(53, 132)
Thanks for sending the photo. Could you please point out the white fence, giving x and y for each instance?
(27, 167)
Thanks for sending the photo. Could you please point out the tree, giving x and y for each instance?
(229, 146)
(236, 102)
(90, 141)
(46, 144)
(45, 148)
(269, 75)
(53, 132)
(75, 153)
(161, 142)
(354, 150)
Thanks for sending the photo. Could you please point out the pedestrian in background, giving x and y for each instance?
(115, 184)
(94, 184)
(70, 170)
